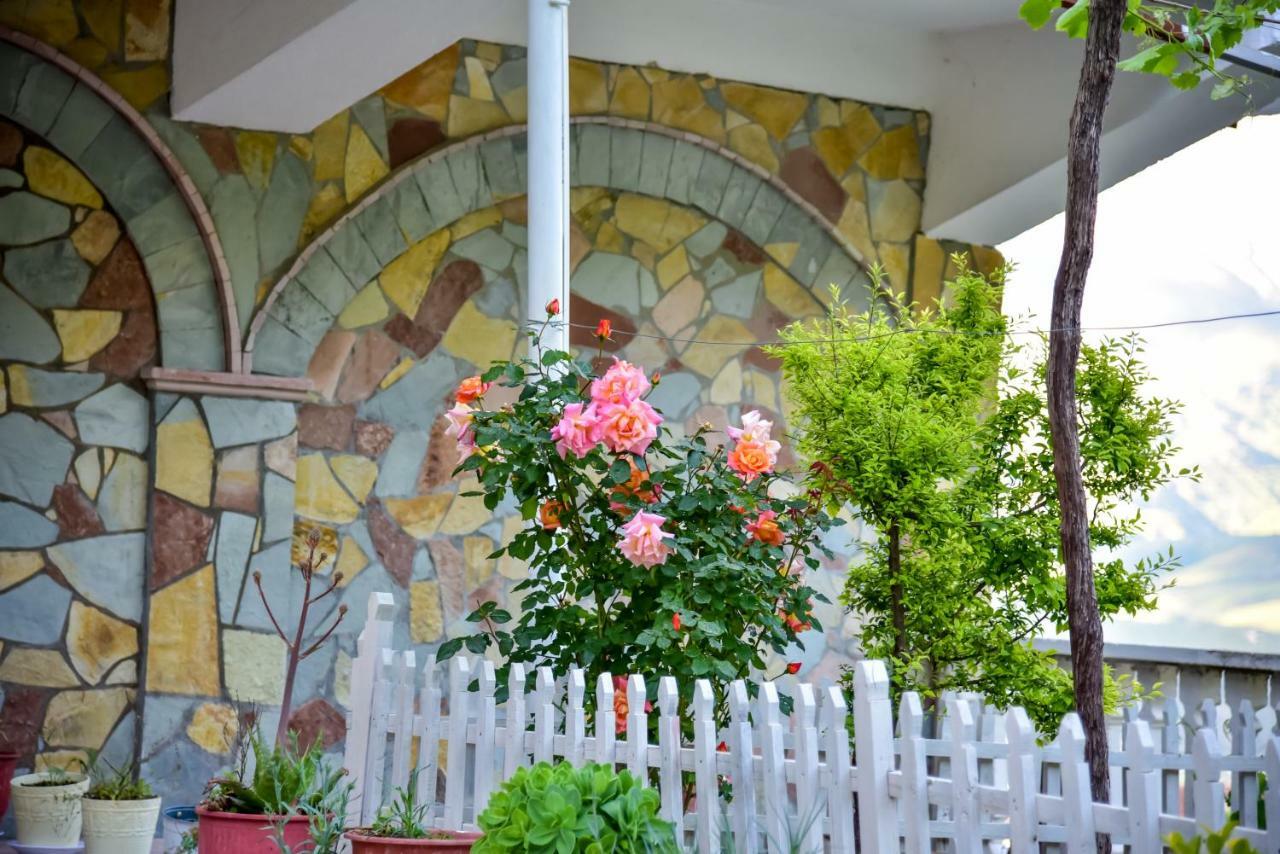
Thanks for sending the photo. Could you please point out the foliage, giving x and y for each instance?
(404, 817)
(284, 780)
(116, 784)
(1215, 842)
(326, 820)
(566, 809)
(928, 427)
(1182, 42)
(190, 842)
(703, 581)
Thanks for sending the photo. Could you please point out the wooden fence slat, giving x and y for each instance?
(544, 716)
(773, 783)
(375, 766)
(964, 777)
(515, 754)
(1077, 802)
(402, 706)
(1244, 784)
(1173, 740)
(1142, 790)
(373, 638)
(637, 729)
(1271, 798)
(671, 806)
(810, 810)
(743, 777)
(455, 788)
(575, 720)
(429, 698)
(835, 740)
(486, 735)
(706, 785)
(915, 776)
(1024, 783)
(606, 720)
(1206, 791)
(873, 739)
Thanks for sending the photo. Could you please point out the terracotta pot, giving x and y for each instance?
(461, 840)
(8, 762)
(233, 833)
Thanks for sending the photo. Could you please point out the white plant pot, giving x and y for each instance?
(120, 827)
(48, 815)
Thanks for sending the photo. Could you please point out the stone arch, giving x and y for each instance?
(108, 140)
(461, 179)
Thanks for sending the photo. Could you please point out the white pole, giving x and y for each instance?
(548, 198)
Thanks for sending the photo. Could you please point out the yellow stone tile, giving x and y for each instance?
(66, 760)
(214, 728)
(89, 52)
(141, 87)
(828, 112)
(783, 253)
(146, 30)
(673, 267)
(855, 227)
(896, 214)
(734, 119)
(97, 641)
(420, 516)
(83, 718)
(53, 176)
(987, 260)
(96, 236)
(776, 109)
(896, 260)
(654, 74)
(588, 91)
(406, 279)
(477, 80)
(257, 153)
(726, 388)
(788, 295)
(926, 275)
(51, 21)
(184, 460)
(330, 144)
(319, 496)
(364, 166)
(182, 638)
(4, 395)
(17, 567)
(466, 513)
(426, 617)
(478, 338)
(426, 87)
(324, 208)
(84, 332)
(366, 307)
(840, 146)
(254, 671)
(489, 53)
(104, 18)
(630, 95)
(357, 474)
(396, 373)
(351, 560)
(475, 557)
(752, 142)
(516, 103)
(19, 386)
(302, 146)
(469, 116)
(678, 102)
(476, 221)
(896, 154)
(644, 253)
(583, 198)
(45, 668)
(721, 334)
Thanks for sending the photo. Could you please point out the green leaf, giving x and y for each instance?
(1036, 12)
(448, 649)
(1074, 21)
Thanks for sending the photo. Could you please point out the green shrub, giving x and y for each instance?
(1217, 842)
(283, 782)
(565, 809)
(117, 784)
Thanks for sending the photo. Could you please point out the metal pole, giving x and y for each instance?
(548, 198)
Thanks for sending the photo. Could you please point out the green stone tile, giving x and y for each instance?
(509, 76)
(301, 313)
(232, 204)
(353, 255)
(464, 168)
(655, 164)
(498, 157)
(112, 153)
(178, 266)
(487, 248)
(625, 145)
(192, 307)
(278, 351)
(28, 218)
(25, 336)
(438, 190)
(763, 214)
(14, 65)
(82, 118)
(324, 281)
(791, 226)
(372, 116)
(593, 156)
(185, 146)
(165, 223)
(141, 186)
(378, 224)
(193, 349)
(280, 216)
(9, 179)
(575, 141)
(49, 275)
(686, 162)
(520, 145)
(41, 97)
(815, 247)
(708, 189)
(839, 270)
(410, 211)
(739, 193)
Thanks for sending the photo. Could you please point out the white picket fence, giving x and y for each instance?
(985, 785)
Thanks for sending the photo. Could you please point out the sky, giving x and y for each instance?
(1195, 236)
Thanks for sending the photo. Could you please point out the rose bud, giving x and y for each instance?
(675, 622)
(604, 329)
(793, 668)
(553, 307)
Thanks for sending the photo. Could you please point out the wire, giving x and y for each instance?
(1195, 321)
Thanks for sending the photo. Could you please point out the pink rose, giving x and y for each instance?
(755, 454)
(576, 430)
(460, 427)
(627, 427)
(642, 540)
(622, 383)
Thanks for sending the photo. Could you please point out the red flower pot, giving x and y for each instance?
(233, 833)
(8, 762)
(458, 840)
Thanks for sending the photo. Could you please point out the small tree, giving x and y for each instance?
(941, 443)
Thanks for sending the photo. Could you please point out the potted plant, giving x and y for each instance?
(401, 828)
(244, 812)
(563, 808)
(120, 813)
(46, 806)
(326, 819)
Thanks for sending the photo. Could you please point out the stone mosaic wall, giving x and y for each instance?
(76, 326)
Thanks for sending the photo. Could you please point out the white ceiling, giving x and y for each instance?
(999, 93)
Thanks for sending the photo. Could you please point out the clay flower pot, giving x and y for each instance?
(233, 833)
(48, 815)
(8, 762)
(451, 840)
(119, 827)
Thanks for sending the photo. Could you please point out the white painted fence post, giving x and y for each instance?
(376, 762)
(375, 635)
(773, 779)
(964, 777)
(1172, 741)
(706, 785)
(835, 740)
(671, 805)
(575, 717)
(1206, 792)
(637, 730)
(1244, 784)
(741, 753)
(428, 726)
(606, 720)
(809, 806)
(406, 667)
(915, 775)
(455, 787)
(1142, 789)
(1024, 783)
(544, 716)
(516, 753)
(486, 735)
(1271, 799)
(873, 738)
(1077, 803)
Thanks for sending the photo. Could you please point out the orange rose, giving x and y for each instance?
(750, 460)
(632, 489)
(549, 514)
(471, 389)
(765, 529)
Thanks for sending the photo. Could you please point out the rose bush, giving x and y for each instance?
(646, 553)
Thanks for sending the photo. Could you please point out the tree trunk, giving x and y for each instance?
(1102, 48)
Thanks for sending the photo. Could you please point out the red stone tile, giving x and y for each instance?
(180, 541)
(321, 427)
(371, 358)
(452, 287)
(133, 349)
(20, 718)
(10, 144)
(394, 547)
(120, 282)
(804, 171)
(62, 420)
(409, 137)
(587, 314)
(451, 574)
(238, 480)
(441, 459)
(318, 722)
(76, 515)
(328, 359)
(220, 147)
(742, 248)
(373, 438)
